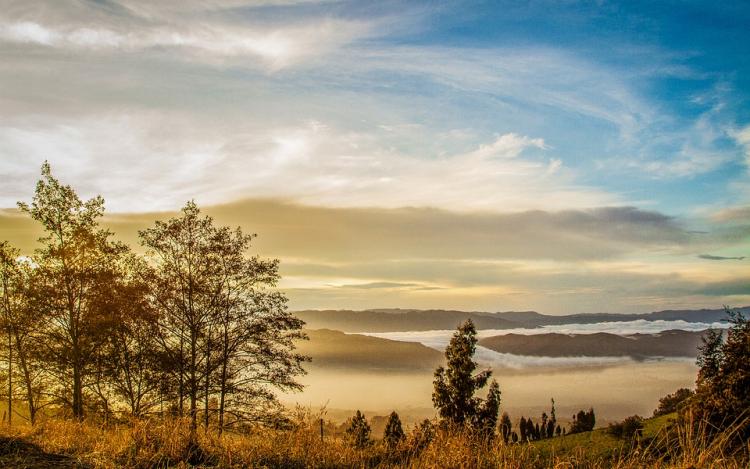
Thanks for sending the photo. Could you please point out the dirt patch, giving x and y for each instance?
(21, 454)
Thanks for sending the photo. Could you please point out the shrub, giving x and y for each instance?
(627, 429)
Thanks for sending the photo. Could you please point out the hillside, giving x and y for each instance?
(673, 343)
(334, 349)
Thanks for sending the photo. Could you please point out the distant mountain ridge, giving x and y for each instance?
(403, 320)
(672, 343)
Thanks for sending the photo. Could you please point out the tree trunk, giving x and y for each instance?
(10, 377)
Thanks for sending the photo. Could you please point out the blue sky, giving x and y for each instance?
(561, 156)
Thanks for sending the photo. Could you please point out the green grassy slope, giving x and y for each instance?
(601, 444)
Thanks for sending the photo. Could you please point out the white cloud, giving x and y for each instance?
(28, 32)
(172, 158)
(742, 137)
(280, 46)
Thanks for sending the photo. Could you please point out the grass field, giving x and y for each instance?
(155, 444)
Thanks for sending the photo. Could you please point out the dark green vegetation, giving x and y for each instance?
(722, 396)
(456, 384)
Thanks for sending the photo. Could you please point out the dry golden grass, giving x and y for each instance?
(156, 444)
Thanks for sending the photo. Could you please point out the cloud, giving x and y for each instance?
(280, 47)
(174, 157)
(378, 285)
(720, 258)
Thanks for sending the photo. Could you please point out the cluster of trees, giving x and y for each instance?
(454, 397)
(583, 421)
(547, 429)
(190, 328)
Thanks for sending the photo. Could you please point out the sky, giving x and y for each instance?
(560, 156)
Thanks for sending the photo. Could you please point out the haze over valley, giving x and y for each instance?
(640, 357)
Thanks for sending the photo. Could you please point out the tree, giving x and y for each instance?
(552, 421)
(130, 360)
(722, 395)
(455, 386)
(671, 402)
(583, 422)
(224, 334)
(17, 323)
(358, 431)
(71, 285)
(394, 433)
(505, 427)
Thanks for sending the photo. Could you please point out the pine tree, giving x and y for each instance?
(394, 433)
(552, 421)
(505, 427)
(358, 431)
(455, 386)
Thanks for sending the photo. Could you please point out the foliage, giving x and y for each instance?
(72, 286)
(17, 322)
(455, 386)
(583, 422)
(627, 429)
(671, 402)
(358, 431)
(95, 328)
(505, 427)
(394, 433)
(223, 334)
(723, 386)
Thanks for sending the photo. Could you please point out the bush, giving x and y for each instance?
(671, 402)
(627, 429)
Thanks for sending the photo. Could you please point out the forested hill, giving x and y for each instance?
(672, 343)
(400, 320)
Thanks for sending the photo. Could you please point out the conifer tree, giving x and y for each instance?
(358, 431)
(455, 386)
(505, 427)
(394, 433)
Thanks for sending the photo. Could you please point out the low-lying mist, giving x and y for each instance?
(615, 389)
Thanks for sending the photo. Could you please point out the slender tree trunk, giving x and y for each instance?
(10, 377)
(193, 385)
(223, 389)
(77, 391)
(208, 373)
(27, 378)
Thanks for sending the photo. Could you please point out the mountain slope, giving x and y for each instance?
(672, 343)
